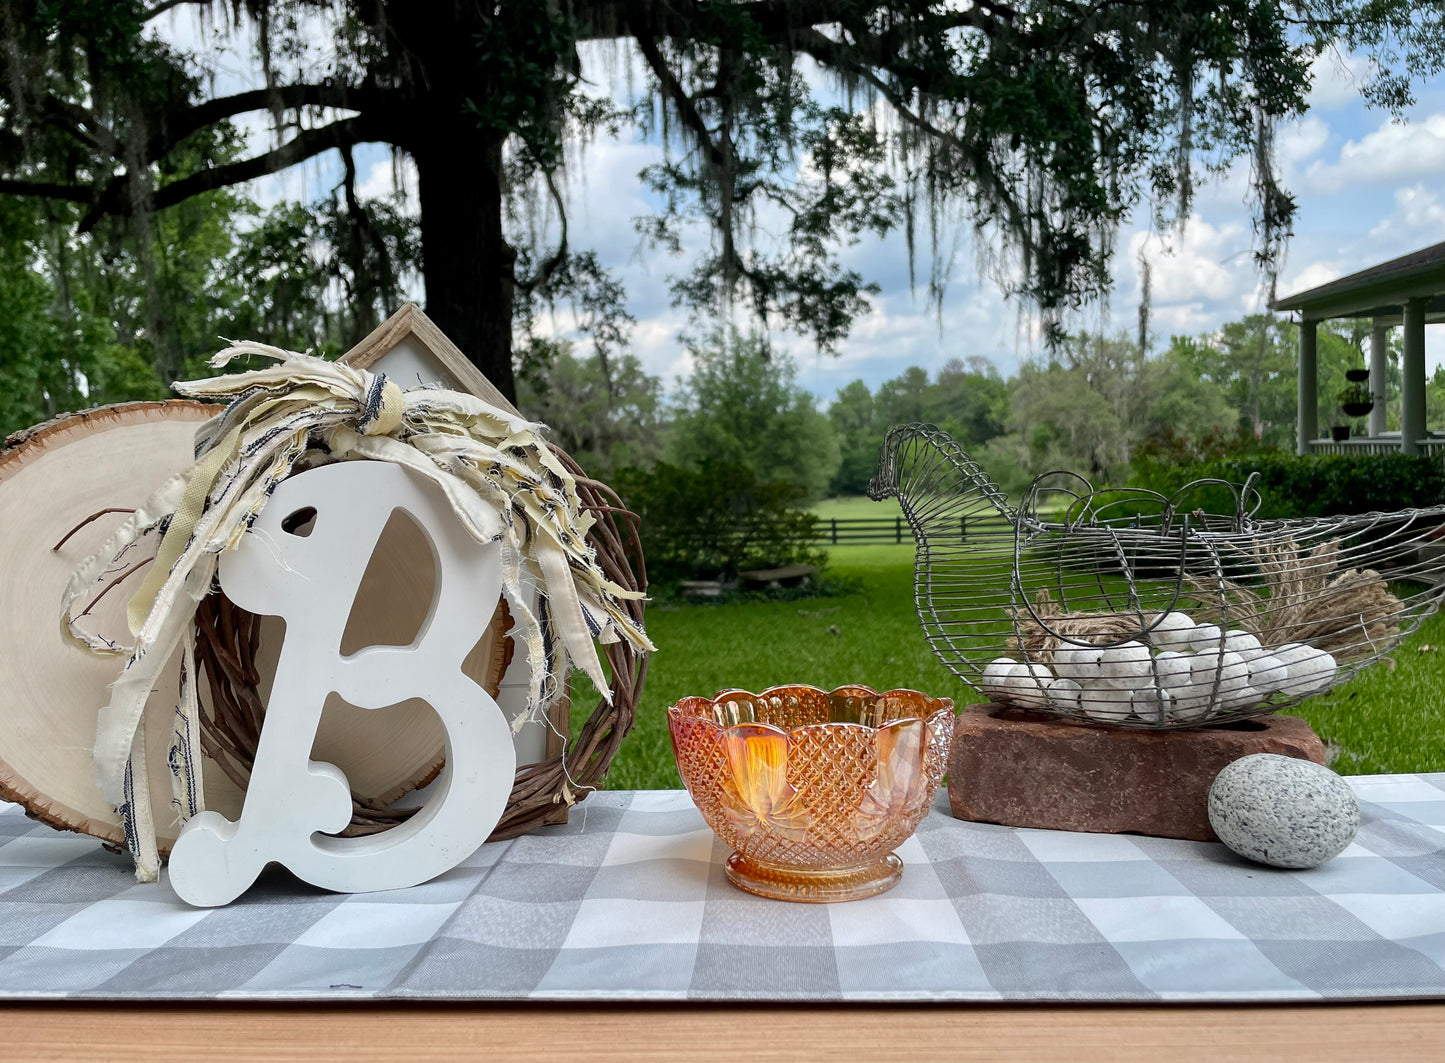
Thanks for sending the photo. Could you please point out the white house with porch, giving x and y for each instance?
(1408, 292)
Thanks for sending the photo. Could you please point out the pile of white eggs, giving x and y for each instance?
(1186, 673)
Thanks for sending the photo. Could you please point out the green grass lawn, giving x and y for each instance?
(859, 506)
(1385, 720)
(855, 506)
(1389, 718)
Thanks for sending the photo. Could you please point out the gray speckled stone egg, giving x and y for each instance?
(1283, 811)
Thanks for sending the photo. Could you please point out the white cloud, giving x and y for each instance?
(1336, 78)
(1418, 219)
(388, 176)
(902, 331)
(1322, 254)
(1181, 319)
(1312, 276)
(1394, 152)
(1299, 142)
(657, 347)
(1203, 264)
(1296, 144)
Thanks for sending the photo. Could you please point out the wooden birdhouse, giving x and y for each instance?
(410, 349)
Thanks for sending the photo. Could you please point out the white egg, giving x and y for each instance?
(1205, 638)
(1293, 651)
(1241, 642)
(1173, 669)
(996, 675)
(1244, 697)
(1310, 670)
(1267, 673)
(1254, 654)
(1102, 701)
(1027, 685)
(1080, 663)
(1172, 631)
(1323, 672)
(1216, 677)
(1152, 704)
(1063, 695)
(1226, 664)
(1125, 665)
(1191, 709)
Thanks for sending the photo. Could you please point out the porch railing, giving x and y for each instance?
(1431, 447)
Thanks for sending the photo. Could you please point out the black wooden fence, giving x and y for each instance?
(848, 531)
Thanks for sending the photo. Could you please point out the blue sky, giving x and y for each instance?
(1368, 187)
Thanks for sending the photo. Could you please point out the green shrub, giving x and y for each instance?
(712, 522)
(1307, 485)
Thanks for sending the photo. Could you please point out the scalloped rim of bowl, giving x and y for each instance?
(707, 709)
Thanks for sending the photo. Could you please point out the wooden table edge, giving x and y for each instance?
(362, 1031)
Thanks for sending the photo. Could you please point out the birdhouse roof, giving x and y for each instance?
(410, 333)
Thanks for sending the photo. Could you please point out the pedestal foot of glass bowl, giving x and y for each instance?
(785, 883)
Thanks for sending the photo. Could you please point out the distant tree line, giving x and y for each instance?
(1098, 405)
(723, 471)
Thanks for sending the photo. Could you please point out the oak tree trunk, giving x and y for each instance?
(466, 260)
(467, 264)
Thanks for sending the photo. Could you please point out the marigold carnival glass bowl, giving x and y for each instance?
(813, 790)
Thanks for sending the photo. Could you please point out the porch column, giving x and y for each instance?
(1307, 425)
(1379, 379)
(1412, 378)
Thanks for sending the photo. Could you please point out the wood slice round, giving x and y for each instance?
(52, 479)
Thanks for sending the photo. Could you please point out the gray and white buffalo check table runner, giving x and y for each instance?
(629, 902)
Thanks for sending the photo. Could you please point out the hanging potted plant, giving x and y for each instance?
(1359, 375)
(1356, 399)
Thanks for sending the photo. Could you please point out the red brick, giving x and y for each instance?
(1029, 770)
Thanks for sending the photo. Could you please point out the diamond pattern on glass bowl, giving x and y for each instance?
(791, 779)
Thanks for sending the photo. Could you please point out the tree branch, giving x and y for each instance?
(178, 125)
(675, 91)
(87, 127)
(776, 19)
(303, 146)
(166, 5)
(608, 19)
(110, 200)
(554, 262)
(367, 281)
(47, 190)
(1001, 10)
(831, 53)
(828, 51)
(83, 124)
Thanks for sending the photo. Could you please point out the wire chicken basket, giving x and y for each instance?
(1130, 609)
